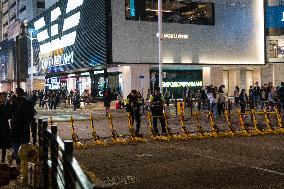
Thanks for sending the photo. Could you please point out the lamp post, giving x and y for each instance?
(32, 58)
(160, 17)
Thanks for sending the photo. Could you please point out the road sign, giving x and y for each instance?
(153, 79)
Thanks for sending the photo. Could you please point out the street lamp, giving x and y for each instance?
(160, 17)
(30, 36)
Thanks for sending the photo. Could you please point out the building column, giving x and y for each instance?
(217, 76)
(243, 78)
(278, 74)
(132, 81)
(267, 74)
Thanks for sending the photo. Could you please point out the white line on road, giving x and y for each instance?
(253, 167)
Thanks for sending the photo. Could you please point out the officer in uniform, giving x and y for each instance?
(133, 104)
(157, 104)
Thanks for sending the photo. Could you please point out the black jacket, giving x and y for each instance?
(22, 115)
(5, 141)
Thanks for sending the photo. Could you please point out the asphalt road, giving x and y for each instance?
(241, 162)
(238, 162)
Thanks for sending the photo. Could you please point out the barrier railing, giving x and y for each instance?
(57, 157)
(229, 124)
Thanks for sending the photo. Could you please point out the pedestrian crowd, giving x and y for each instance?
(17, 120)
(210, 97)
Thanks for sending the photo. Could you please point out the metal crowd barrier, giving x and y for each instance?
(245, 124)
(57, 157)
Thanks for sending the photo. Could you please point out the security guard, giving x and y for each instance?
(157, 104)
(133, 104)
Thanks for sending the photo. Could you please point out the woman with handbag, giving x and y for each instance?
(5, 142)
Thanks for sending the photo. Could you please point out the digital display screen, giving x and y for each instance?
(275, 16)
(183, 11)
(71, 35)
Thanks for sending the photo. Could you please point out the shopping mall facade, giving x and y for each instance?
(204, 42)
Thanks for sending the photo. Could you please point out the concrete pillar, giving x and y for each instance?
(131, 80)
(278, 74)
(257, 75)
(242, 80)
(233, 81)
(217, 75)
(267, 74)
(206, 76)
(136, 82)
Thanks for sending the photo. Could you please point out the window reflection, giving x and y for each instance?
(174, 11)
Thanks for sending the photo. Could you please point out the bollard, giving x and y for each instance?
(244, 129)
(201, 134)
(228, 119)
(75, 137)
(97, 140)
(116, 139)
(256, 130)
(51, 121)
(133, 137)
(154, 135)
(269, 129)
(214, 130)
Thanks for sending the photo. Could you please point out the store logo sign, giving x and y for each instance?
(57, 61)
(183, 84)
(173, 36)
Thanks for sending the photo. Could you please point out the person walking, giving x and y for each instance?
(157, 108)
(5, 142)
(22, 112)
(213, 98)
(133, 103)
(243, 99)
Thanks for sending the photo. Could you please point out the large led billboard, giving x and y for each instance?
(72, 35)
(220, 32)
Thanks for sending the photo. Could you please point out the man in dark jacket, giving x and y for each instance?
(133, 104)
(157, 103)
(22, 115)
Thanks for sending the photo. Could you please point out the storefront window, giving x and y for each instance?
(183, 11)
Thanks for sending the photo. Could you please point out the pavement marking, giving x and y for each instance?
(244, 165)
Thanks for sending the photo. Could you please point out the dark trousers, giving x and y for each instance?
(137, 117)
(243, 107)
(221, 108)
(34, 131)
(155, 122)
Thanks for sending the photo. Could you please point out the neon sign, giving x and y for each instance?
(57, 61)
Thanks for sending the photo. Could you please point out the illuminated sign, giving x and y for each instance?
(57, 61)
(71, 36)
(173, 36)
(39, 24)
(183, 84)
(55, 14)
(275, 16)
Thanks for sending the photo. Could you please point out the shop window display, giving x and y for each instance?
(183, 12)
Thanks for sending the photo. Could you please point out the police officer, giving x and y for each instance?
(133, 104)
(157, 104)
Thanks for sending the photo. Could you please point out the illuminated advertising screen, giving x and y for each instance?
(72, 35)
(275, 16)
(183, 11)
(219, 32)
